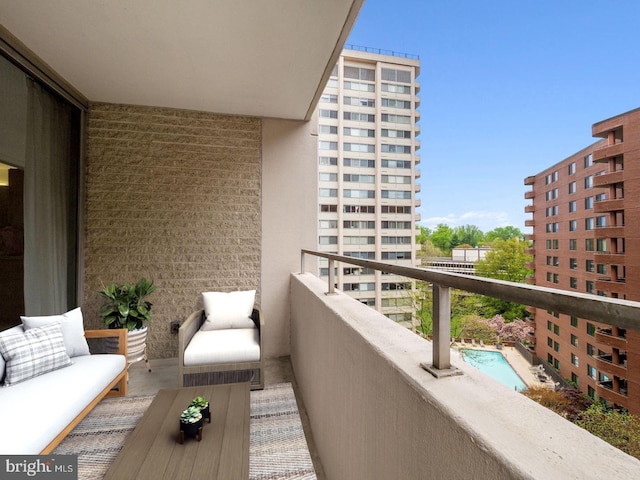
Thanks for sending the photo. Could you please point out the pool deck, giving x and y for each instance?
(517, 362)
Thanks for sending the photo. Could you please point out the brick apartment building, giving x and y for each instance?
(586, 224)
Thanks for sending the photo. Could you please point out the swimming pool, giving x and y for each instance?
(494, 365)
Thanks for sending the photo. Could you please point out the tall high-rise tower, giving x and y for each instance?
(367, 158)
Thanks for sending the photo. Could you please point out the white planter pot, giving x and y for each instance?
(136, 344)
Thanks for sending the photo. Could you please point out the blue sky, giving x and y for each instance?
(508, 88)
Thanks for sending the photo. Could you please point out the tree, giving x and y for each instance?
(442, 237)
(505, 261)
(515, 331)
(469, 234)
(621, 430)
(474, 326)
(504, 233)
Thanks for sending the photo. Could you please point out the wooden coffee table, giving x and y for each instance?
(153, 450)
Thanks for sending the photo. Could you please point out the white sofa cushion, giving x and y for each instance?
(72, 330)
(33, 353)
(223, 346)
(224, 310)
(65, 392)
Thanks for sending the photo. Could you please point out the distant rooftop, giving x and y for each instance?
(382, 52)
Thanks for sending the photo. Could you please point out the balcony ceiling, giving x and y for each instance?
(266, 58)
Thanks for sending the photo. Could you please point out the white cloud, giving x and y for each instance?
(484, 220)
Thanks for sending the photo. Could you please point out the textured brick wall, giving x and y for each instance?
(174, 196)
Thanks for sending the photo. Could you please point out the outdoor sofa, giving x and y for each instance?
(49, 380)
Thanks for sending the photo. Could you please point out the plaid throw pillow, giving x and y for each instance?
(32, 353)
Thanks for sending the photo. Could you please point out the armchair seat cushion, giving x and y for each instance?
(223, 346)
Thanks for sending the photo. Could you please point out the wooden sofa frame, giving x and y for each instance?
(117, 388)
(197, 375)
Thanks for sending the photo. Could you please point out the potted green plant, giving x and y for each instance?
(191, 422)
(202, 403)
(125, 306)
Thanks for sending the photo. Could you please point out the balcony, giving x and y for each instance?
(609, 151)
(529, 223)
(608, 205)
(417, 173)
(611, 286)
(530, 180)
(607, 179)
(607, 337)
(609, 232)
(529, 209)
(359, 376)
(529, 237)
(530, 195)
(606, 391)
(604, 363)
(610, 258)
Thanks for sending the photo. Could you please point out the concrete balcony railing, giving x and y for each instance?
(607, 179)
(606, 152)
(608, 205)
(375, 412)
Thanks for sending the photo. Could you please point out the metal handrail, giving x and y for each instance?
(611, 311)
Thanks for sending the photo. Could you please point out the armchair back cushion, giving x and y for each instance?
(224, 310)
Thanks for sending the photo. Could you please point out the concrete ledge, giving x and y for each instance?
(376, 414)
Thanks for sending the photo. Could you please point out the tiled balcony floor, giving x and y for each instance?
(164, 374)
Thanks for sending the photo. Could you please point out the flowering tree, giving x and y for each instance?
(518, 330)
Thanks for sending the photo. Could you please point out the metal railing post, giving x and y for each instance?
(441, 354)
(332, 280)
(302, 265)
(441, 326)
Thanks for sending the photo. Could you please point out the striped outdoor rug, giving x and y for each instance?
(278, 448)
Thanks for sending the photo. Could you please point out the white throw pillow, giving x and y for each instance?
(72, 330)
(228, 309)
(33, 353)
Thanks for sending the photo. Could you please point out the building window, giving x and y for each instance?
(358, 132)
(601, 245)
(572, 168)
(328, 192)
(574, 321)
(601, 221)
(575, 379)
(396, 240)
(326, 98)
(386, 163)
(589, 244)
(328, 208)
(324, 145)
(329, 161)
(389, 87)
(572, 187)
(552, 194)
(591, 329)
(359, 101)
(359, 209)
(349, 224)
(601, 268)
(349, 193)
(396, 256)
(589, 265)
(572, 206)
(328, 113)
(556, 278)
(574, 360)
(387, 133)
(573, 282)
(573, 244)
(328, 129)
(588, 182)
(573, 225)
(591, 371)
(574, 340)
(352, 177)
(359, 86)
(359, 147)
(588, 160)
(396, 194)
(395, 103)
(359, 162)
(588, 203)
(348, 240)
(397, 179)
(392, 118)
(395, 209)
(393, 75)
(359, 117)
(589, 287)
(328, 177)
(549, 342)
(589, 223)
(328, 240)
(360, 73)
(556, 347)
(386, 148)
(573, 263)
